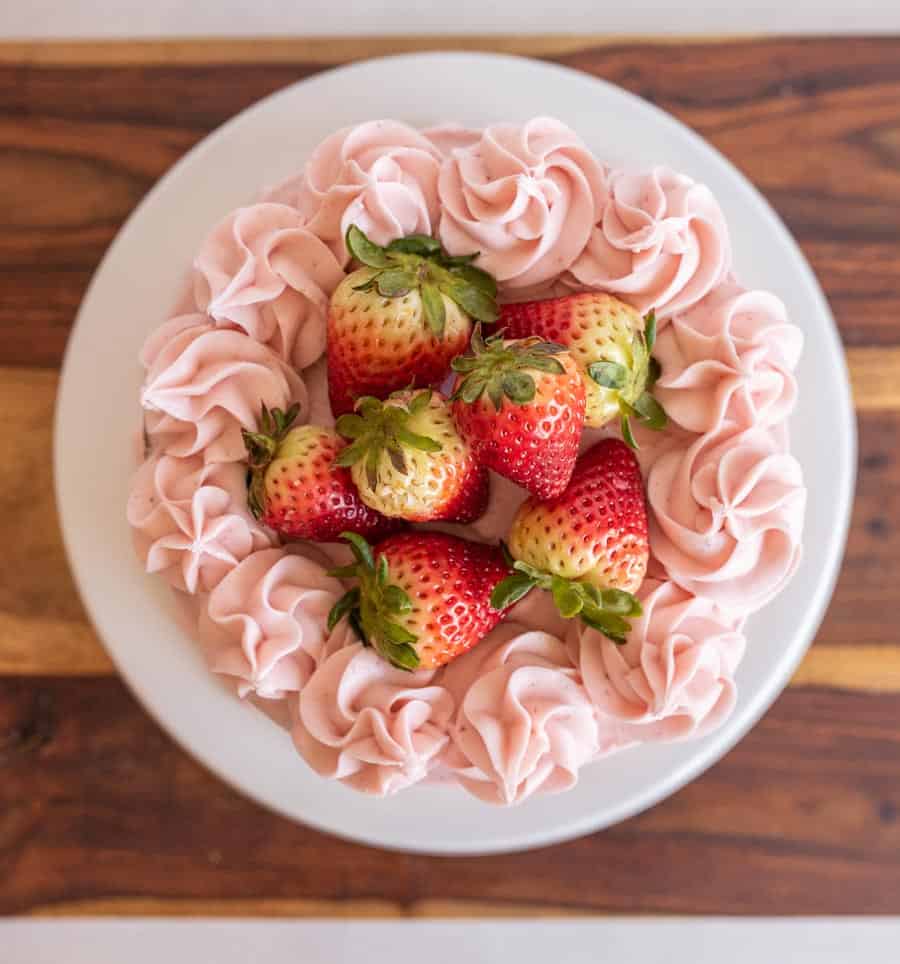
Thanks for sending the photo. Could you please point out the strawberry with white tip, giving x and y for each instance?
(399, 319)
(611, 342)
(408, 460)
(298, 489)
(588, 546)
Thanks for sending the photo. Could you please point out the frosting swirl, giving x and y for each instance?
(380, 175)
(730, 358)
(261, 270)
(726, 515)
(525, 722)
(525, 196)
(674, 677)
(205, 384)
(265, 623)
(190, 522)
(660, 242)
(376, 728)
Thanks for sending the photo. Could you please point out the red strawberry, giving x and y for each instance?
(409, 462)
(588, 546)
(520, 404)
(297, 489)
(423, 597)
(611, 343)
(401, 318)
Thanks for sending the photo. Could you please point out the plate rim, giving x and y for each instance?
(706, 756)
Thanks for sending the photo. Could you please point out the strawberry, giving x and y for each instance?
(400, 319)
(408, 460)
(588, 546)
(521, 404)
(611, 343)
(423, 597)
(297, 489)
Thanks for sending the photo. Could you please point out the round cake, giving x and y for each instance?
(361, 469)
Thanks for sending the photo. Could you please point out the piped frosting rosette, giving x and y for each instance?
(380, 175)
(674, 677)
(726, 514)
(262, 271)
(525, 723)
(525, 196)
(730, 358)
(660, 242)
(265, 624)
(205, 384)
(373, 727)
(189, 520)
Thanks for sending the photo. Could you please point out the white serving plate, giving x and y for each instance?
(134, 290)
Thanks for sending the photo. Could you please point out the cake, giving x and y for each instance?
(533, 692)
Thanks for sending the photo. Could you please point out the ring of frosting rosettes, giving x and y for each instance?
(406, 319)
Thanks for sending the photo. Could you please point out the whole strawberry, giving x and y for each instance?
(521, 404)
(587, 546)
(409, 462)
(402, 317)
(423, 597)
(297, 489)
(611, 343)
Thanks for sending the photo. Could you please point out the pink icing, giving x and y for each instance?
(205, 384)
(525, 196)
(726, 516)
(660, 242)
(675, 675)
(375, 728)
(190, 522)
(381, 176)
(524, 723)
(261, 270)
(523, 711)
(729, 358)
(265, 623)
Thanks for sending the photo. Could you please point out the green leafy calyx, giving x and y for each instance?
(372, 607)
(419, 263)
(262, 447)
(504, 371)
(375, 429)
(606, 610)
(634, 385)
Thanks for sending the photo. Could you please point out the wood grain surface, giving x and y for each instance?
(101, 813)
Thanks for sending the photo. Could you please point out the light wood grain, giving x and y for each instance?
(323, 51)
(46, 633)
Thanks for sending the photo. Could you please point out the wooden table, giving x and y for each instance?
(101, 813)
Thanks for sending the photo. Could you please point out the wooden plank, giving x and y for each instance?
(101, 813)
(324, 51)
(44, 631)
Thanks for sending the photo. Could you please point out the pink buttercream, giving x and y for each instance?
(381, 176)
(525, 196)
(675, 675)
(205, 384)
(449, 137)
(524, 723)
(660, 242)
(731, 359)
(190, 521)
(261, 270)
(266, 622)
(726, 516)
(376, 728)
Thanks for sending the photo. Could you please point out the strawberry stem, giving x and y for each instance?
(419, 263)
(373, 605)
